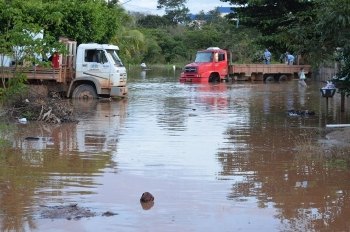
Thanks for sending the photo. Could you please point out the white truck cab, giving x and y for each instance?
(88, 71)
(99, 64)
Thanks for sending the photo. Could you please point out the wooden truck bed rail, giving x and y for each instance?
(263, 71)
(59, 75)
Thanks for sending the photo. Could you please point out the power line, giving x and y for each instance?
(125, 2)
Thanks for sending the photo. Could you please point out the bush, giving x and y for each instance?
(13, 88)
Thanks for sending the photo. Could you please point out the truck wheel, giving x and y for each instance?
(269, 79)
(84, 92)
(214, 78)
(283, 78)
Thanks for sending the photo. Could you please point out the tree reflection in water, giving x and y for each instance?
(310, 195)
(62, 163)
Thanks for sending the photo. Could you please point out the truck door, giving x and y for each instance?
(96, 65)
(221, 63)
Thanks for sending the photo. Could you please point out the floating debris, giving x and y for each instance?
(301, 113)
(22, 120)
(69, 212)
(109, 213)
(146, 197)
(31, 138)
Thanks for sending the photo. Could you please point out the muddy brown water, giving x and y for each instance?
(216, 157)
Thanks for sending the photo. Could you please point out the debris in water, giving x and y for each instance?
(147, 197)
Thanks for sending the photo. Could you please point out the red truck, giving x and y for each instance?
(214, 65)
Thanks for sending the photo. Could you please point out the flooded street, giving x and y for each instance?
(216, 157)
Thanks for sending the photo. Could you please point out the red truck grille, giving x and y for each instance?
(190, 69)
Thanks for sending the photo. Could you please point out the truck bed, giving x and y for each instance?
(59, 75)
(264, 71)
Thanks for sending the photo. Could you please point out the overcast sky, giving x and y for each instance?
(150, 6)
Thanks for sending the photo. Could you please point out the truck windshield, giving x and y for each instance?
(113, 53)
(203, 57)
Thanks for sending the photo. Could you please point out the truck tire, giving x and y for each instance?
(269, 78)
(84, 92)
(283, 78)
(214, 78)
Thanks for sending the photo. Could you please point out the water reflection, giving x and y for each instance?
(143, 74)
(302, 95)
(96, 130)
(62, 162)
(261, 157)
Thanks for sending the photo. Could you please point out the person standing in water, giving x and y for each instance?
(302, 77)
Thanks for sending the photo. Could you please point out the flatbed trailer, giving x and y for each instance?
(267, 72)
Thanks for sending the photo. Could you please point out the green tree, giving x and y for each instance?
(83, 21)
(153, 21)
(132, 44)
(206, 37)
(164, 46)
(19, 43)
(333, 36)
(273, 19)
(175, 10)
(218, 31)
(153, 53)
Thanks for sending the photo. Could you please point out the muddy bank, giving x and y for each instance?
(35, 104)
(48, 110)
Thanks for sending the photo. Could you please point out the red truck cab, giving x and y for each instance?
(210, 65)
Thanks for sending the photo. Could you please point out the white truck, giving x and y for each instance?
(90, 70)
